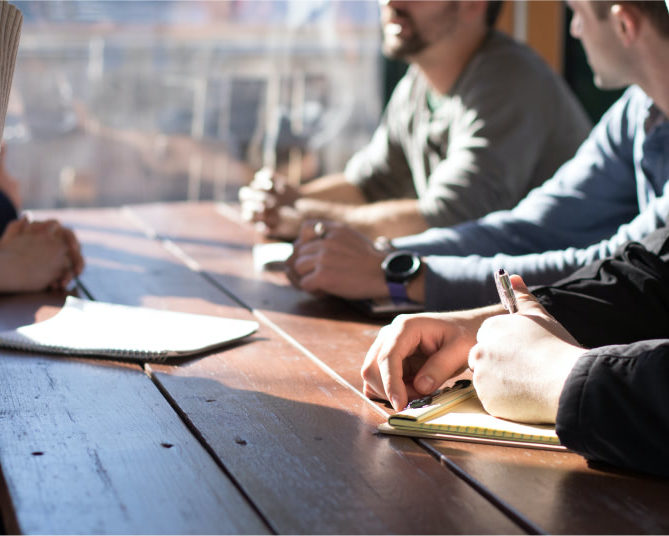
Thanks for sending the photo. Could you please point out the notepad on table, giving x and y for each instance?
(92, 328)
(271, 256)
(457, 413)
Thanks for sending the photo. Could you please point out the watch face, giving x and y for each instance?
(401, 265)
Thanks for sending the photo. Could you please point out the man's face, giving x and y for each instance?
(411, 26)
(602, 46)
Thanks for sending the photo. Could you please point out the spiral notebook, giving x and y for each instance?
(88, 328)
(456, 413)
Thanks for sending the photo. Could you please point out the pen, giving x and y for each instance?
(505, 291)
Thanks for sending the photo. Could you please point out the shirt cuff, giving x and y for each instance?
(7, 212)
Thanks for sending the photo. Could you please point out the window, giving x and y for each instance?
(137, 101)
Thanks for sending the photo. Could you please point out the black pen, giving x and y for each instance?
(506, 294)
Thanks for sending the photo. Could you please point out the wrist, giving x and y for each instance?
(416, 287)
(568, 356)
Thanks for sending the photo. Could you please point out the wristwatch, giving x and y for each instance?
(400, 267)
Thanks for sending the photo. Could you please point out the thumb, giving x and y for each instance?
(527, 302)
(439, 367)
(14, 228)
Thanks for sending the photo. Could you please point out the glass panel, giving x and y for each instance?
(138, 101)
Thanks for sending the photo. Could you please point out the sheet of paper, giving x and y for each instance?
(271, 256)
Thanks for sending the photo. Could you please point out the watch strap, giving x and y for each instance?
(398, 291)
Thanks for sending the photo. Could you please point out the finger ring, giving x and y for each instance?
(319, 229)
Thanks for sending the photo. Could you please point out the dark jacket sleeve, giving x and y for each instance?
(7, 212)
(614, 407)
(618, 300)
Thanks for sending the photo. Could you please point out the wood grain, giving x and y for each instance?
(92, 447)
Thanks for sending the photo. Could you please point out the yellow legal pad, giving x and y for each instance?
(457, 413)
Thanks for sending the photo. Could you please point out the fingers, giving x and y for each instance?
(258, 206)
(251, 197)
(527, 302)
(15, 228)
(382, 369)
(311, 230)
(473, 357)
(441, 365)
(306, 270)
(264, 180)
(258, 199)
(74, 252)
(369, 371)
(50, 227)
(422, 342)
(307, 255)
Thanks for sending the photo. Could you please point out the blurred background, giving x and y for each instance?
(129, 101)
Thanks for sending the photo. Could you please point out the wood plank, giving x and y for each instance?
(564, 489)
(92, 447)
(548, 487)
(299, 443)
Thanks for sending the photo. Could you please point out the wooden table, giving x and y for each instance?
(272, 435)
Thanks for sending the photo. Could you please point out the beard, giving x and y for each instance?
(398, 48)
(404, 37)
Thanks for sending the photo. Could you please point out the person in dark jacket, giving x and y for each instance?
(589, 353)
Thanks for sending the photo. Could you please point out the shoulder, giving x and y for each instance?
(627, 114)
(509, 66)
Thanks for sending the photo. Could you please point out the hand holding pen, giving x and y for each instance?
(521, 361)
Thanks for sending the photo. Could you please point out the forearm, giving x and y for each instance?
(333, 189)
(613, 406)
(383, 218)
(453, 282)
(467, 281)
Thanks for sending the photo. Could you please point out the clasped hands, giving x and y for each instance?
(338, 260)
(268, 201)
(37, 256)
(520, 361)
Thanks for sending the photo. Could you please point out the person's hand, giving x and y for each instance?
(268, 200)
(521, 361)
(338, 261)
(38, 256)
(416, 354)
(8, 184)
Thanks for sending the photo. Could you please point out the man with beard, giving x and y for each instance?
(477, 121)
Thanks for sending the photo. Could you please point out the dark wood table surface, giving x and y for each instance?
(270, 435)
